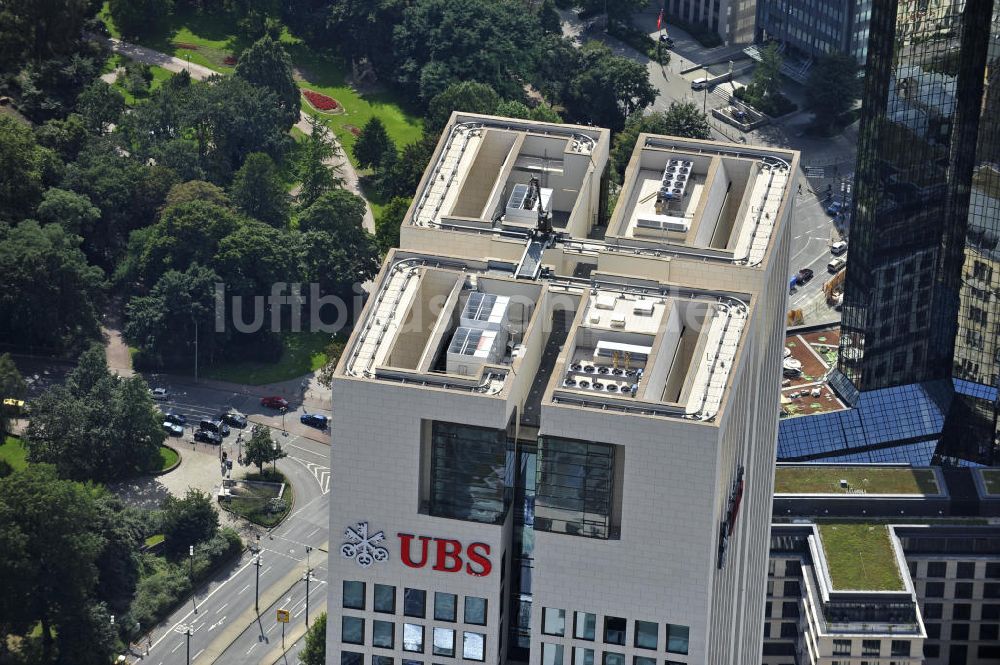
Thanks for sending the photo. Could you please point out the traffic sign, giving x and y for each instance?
(283, 616)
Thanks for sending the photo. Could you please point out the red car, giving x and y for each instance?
(274, 402)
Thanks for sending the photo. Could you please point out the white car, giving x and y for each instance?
(173, 429)
(159, 393)
(838, 248)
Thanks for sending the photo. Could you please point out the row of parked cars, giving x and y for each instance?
(210, 430)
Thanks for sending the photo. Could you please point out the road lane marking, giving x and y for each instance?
(223, 607)
(179, 645)
(198, 654)
(243, 589)
(312, 533)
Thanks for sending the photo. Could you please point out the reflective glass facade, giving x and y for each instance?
(471, 472)
(813, 28)
(575, 487)
(919, 297)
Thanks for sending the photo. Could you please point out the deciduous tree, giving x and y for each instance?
(258, 191)
(833, 87)
(188, 521)
(261, 449)
(466, 96)
(608, 88)
(314, 652)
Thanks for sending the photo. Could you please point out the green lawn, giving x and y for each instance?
(991, 478)
(168, 457)
(155, 539)
(860, 556)
(304, 352)
(160, 75)
(14, 453)
(208, 39)
(873, 480)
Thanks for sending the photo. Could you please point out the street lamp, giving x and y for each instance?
(194, 599)
(274, 459)
(308, 579)
(256, 594)
(188, 633)
(283, 411)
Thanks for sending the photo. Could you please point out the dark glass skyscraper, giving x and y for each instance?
(919, 350)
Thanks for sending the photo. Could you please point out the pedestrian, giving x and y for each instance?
(800, 188)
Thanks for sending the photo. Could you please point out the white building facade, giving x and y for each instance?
(554, 433)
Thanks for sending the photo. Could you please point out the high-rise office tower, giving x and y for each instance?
(554, 436)
(918, 353)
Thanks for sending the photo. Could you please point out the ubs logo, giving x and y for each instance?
(363, 547)
(447, 555)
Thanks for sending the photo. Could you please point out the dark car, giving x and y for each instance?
(316, 420)
(175, 418)
(834, 208)
(666, 40)
(234, 419)
(207, 437)
(274, 402)
(804, 275)
(216, 426)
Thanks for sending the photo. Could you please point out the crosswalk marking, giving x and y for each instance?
(815, 172)
(320, 473)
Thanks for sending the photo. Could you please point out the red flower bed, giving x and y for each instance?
(353, 130)
(185, 45)
(229, 60)
(321, 102)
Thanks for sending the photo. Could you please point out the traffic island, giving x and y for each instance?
(265, 499)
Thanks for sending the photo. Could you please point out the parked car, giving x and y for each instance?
(175, 418)
(838, 248)
(207, 437)
(159, 393)
(316, 420)
(666, 40)
(699, 84)
(837, 264)
(216, 426)
(173, 429)
(274, 402)
(234, 419)
(834, 208)
(804, 275)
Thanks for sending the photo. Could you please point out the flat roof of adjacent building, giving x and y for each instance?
(827, 479)
(860, 556)
(809, 358)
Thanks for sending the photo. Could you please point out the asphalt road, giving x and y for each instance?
(225, 627)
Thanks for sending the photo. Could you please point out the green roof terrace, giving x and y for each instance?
(826, 479)
(860, 556)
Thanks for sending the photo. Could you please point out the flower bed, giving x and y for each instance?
(353, 130)
(186, 46)
(321, 102)
(229, 61)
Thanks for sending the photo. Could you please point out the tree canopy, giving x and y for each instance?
(96, 426)
(608, 88)
(266, 64)
(833, 87)
(681, 119)
(373, 144)
(258, 191)
(261, 449)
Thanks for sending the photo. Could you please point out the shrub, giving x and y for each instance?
(640, 41)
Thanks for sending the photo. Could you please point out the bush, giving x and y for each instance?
(163, 584)
(776, 105)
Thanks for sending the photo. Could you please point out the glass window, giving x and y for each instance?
(900, 647)
(385, 598)
(934, 590)
(354, 595)
(961, 611)
(989, 631)
(582, 656)
(351, 658)
(381, 660)
(552, 654)
(990, 611)
(414, 602)
(611, 658)
(444, 642)
(352, 630)
(469, 472)
(412, 662)
(791, 588)
(870, 647)
(473, 646)
(383, 634)
(553, 621)
(646, 634)
(959, 631)
(963, 590)
(413, 637)
(575, 487)
(643, 660)
(614, 630)
(677, 638)
(936, 568)
(475, 610)
(445, 605)
(789, 630)
(932, 611)
(584, 625)
(993, 570)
